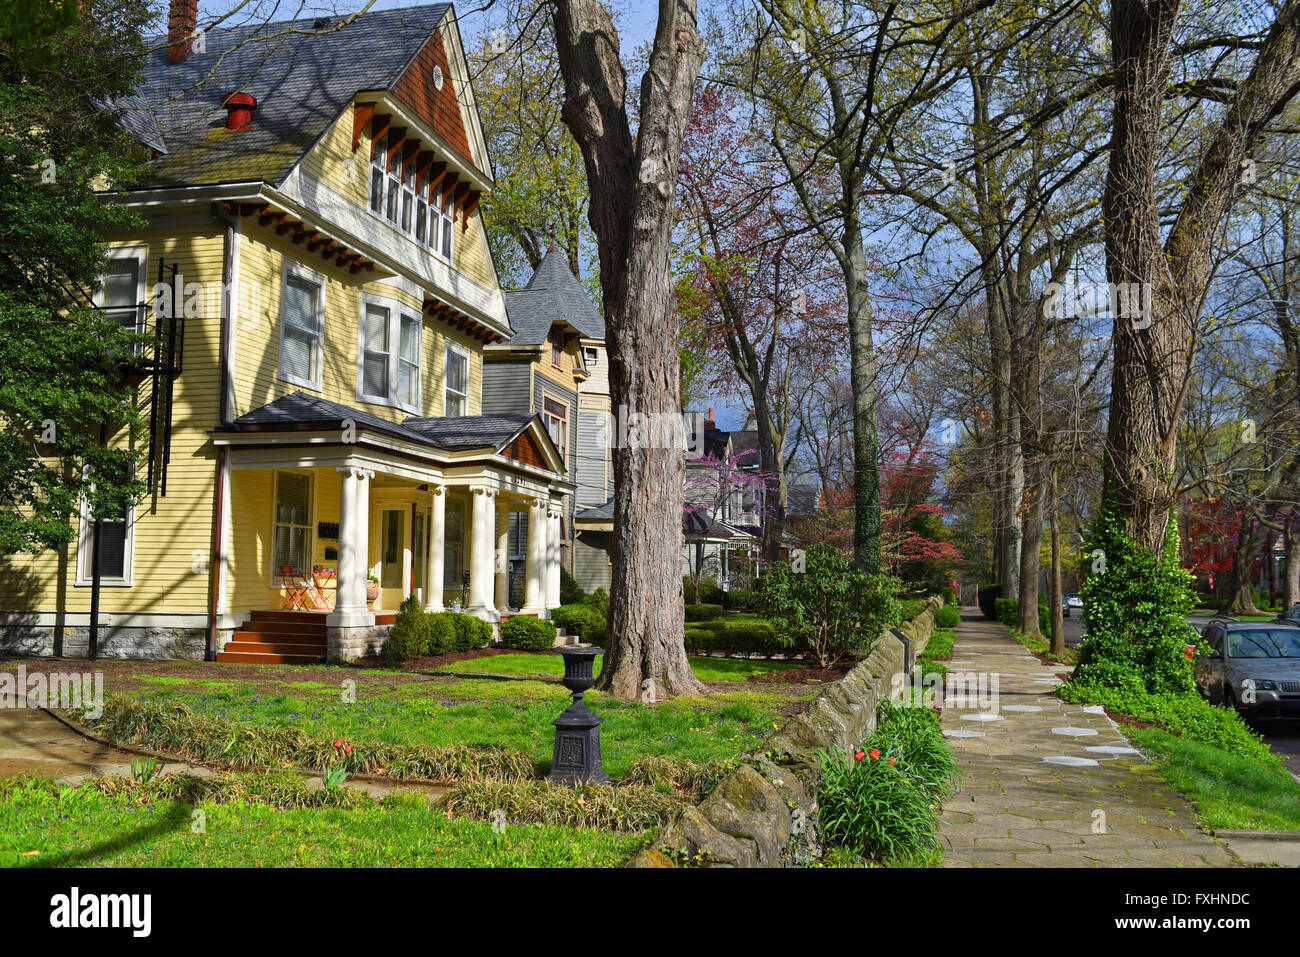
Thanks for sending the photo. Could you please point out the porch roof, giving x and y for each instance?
(299, 411)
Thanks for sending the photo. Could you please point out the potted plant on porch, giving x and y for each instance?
(372, 589)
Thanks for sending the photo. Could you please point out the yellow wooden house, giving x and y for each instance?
(318, 281)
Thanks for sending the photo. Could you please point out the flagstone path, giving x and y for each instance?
(1052, 784)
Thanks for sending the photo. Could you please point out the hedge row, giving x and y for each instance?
(418, 633)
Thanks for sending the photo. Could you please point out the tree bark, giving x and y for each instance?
(633, 198)
(1054, 599)
(1291, 577)
(1153, 351)
(1241, 600)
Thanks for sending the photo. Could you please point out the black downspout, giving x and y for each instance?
(92, 650)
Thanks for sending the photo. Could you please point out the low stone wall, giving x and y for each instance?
(158, 643)
(747, 821)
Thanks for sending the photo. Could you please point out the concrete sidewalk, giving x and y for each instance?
(1051, 784)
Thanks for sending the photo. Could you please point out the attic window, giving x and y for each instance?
(402, 191)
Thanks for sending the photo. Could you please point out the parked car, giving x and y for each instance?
(1252, 666)
(1291, 614)
(1071, 601)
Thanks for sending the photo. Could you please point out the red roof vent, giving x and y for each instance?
(239, 110)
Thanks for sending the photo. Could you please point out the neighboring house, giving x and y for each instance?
(723, 521)
(317, 413)
(554, 366)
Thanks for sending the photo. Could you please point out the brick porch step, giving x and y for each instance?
(301, 617)
(248, 645)
(268, 658)
(285, 628)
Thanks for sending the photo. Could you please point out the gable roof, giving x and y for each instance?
(302, 80)
(552, 295)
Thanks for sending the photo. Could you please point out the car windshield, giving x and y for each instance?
(1264, 643)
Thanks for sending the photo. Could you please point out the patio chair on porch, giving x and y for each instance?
(300, 591)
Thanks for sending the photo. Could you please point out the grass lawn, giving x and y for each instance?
(1229, 791)
(705, 668)
(84, 827)
(393, 707)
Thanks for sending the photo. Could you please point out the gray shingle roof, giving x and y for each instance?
(552, 295)
(694, 524)
(302, 80)
(470, 431)
(300, 411)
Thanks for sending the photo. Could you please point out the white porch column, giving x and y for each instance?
(503, 554)
(362, 535)
(535, 588)
(480, 547)
(437, 540)
(349, 603)
(553, 556)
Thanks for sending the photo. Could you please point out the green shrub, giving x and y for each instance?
(442, 633)
(582, 620)
(526, 633)
(830, 607)
(1007, 610)
(949, 596)
(599, 600)
(409, 636)
(742, 638)
(988, 596)
(703, 612)
(947, 617)
(570, 591)
(709, 592)
(745, 598)
(467, 633)
(1135, 606)
(1185, 714)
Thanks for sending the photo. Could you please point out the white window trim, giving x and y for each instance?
(300, 271)
(84, 534)
(460, 350)
(138, 252)
(273, 570)
(396, 309)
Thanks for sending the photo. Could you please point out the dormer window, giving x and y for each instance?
(401, 192)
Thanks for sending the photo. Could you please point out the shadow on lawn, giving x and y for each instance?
(175, 819)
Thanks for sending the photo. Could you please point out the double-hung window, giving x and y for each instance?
(293, 526)
(302, 318)
(456, 389)
(440, 225)
(120, 296)
(389, 368)
(114, 546)
(556, 415)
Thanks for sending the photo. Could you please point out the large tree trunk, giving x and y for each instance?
(1153, 346)
(1058, 613)
(1291, 577)
(1241, 597)
(633, 190)
(1030, 546)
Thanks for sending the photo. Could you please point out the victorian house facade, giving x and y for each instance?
(316, 278)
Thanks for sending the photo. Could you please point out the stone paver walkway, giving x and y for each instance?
(1051, 784)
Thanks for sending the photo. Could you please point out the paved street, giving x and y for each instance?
(1051, 784)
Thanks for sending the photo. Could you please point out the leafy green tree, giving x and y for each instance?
(69, 417)
(828, 603)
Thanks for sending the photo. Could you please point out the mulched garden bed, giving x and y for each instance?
(800, 676)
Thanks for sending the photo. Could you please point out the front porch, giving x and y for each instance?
(308, 526)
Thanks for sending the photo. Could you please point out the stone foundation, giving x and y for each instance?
(158, 643)
(351, 643)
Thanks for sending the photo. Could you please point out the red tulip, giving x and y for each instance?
(875, 753)
(338, 743)
(892, 760)
(348, 749)
(859, 756)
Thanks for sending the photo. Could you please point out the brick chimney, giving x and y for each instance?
(182, 20)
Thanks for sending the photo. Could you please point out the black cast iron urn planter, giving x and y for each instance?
(577, 732)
